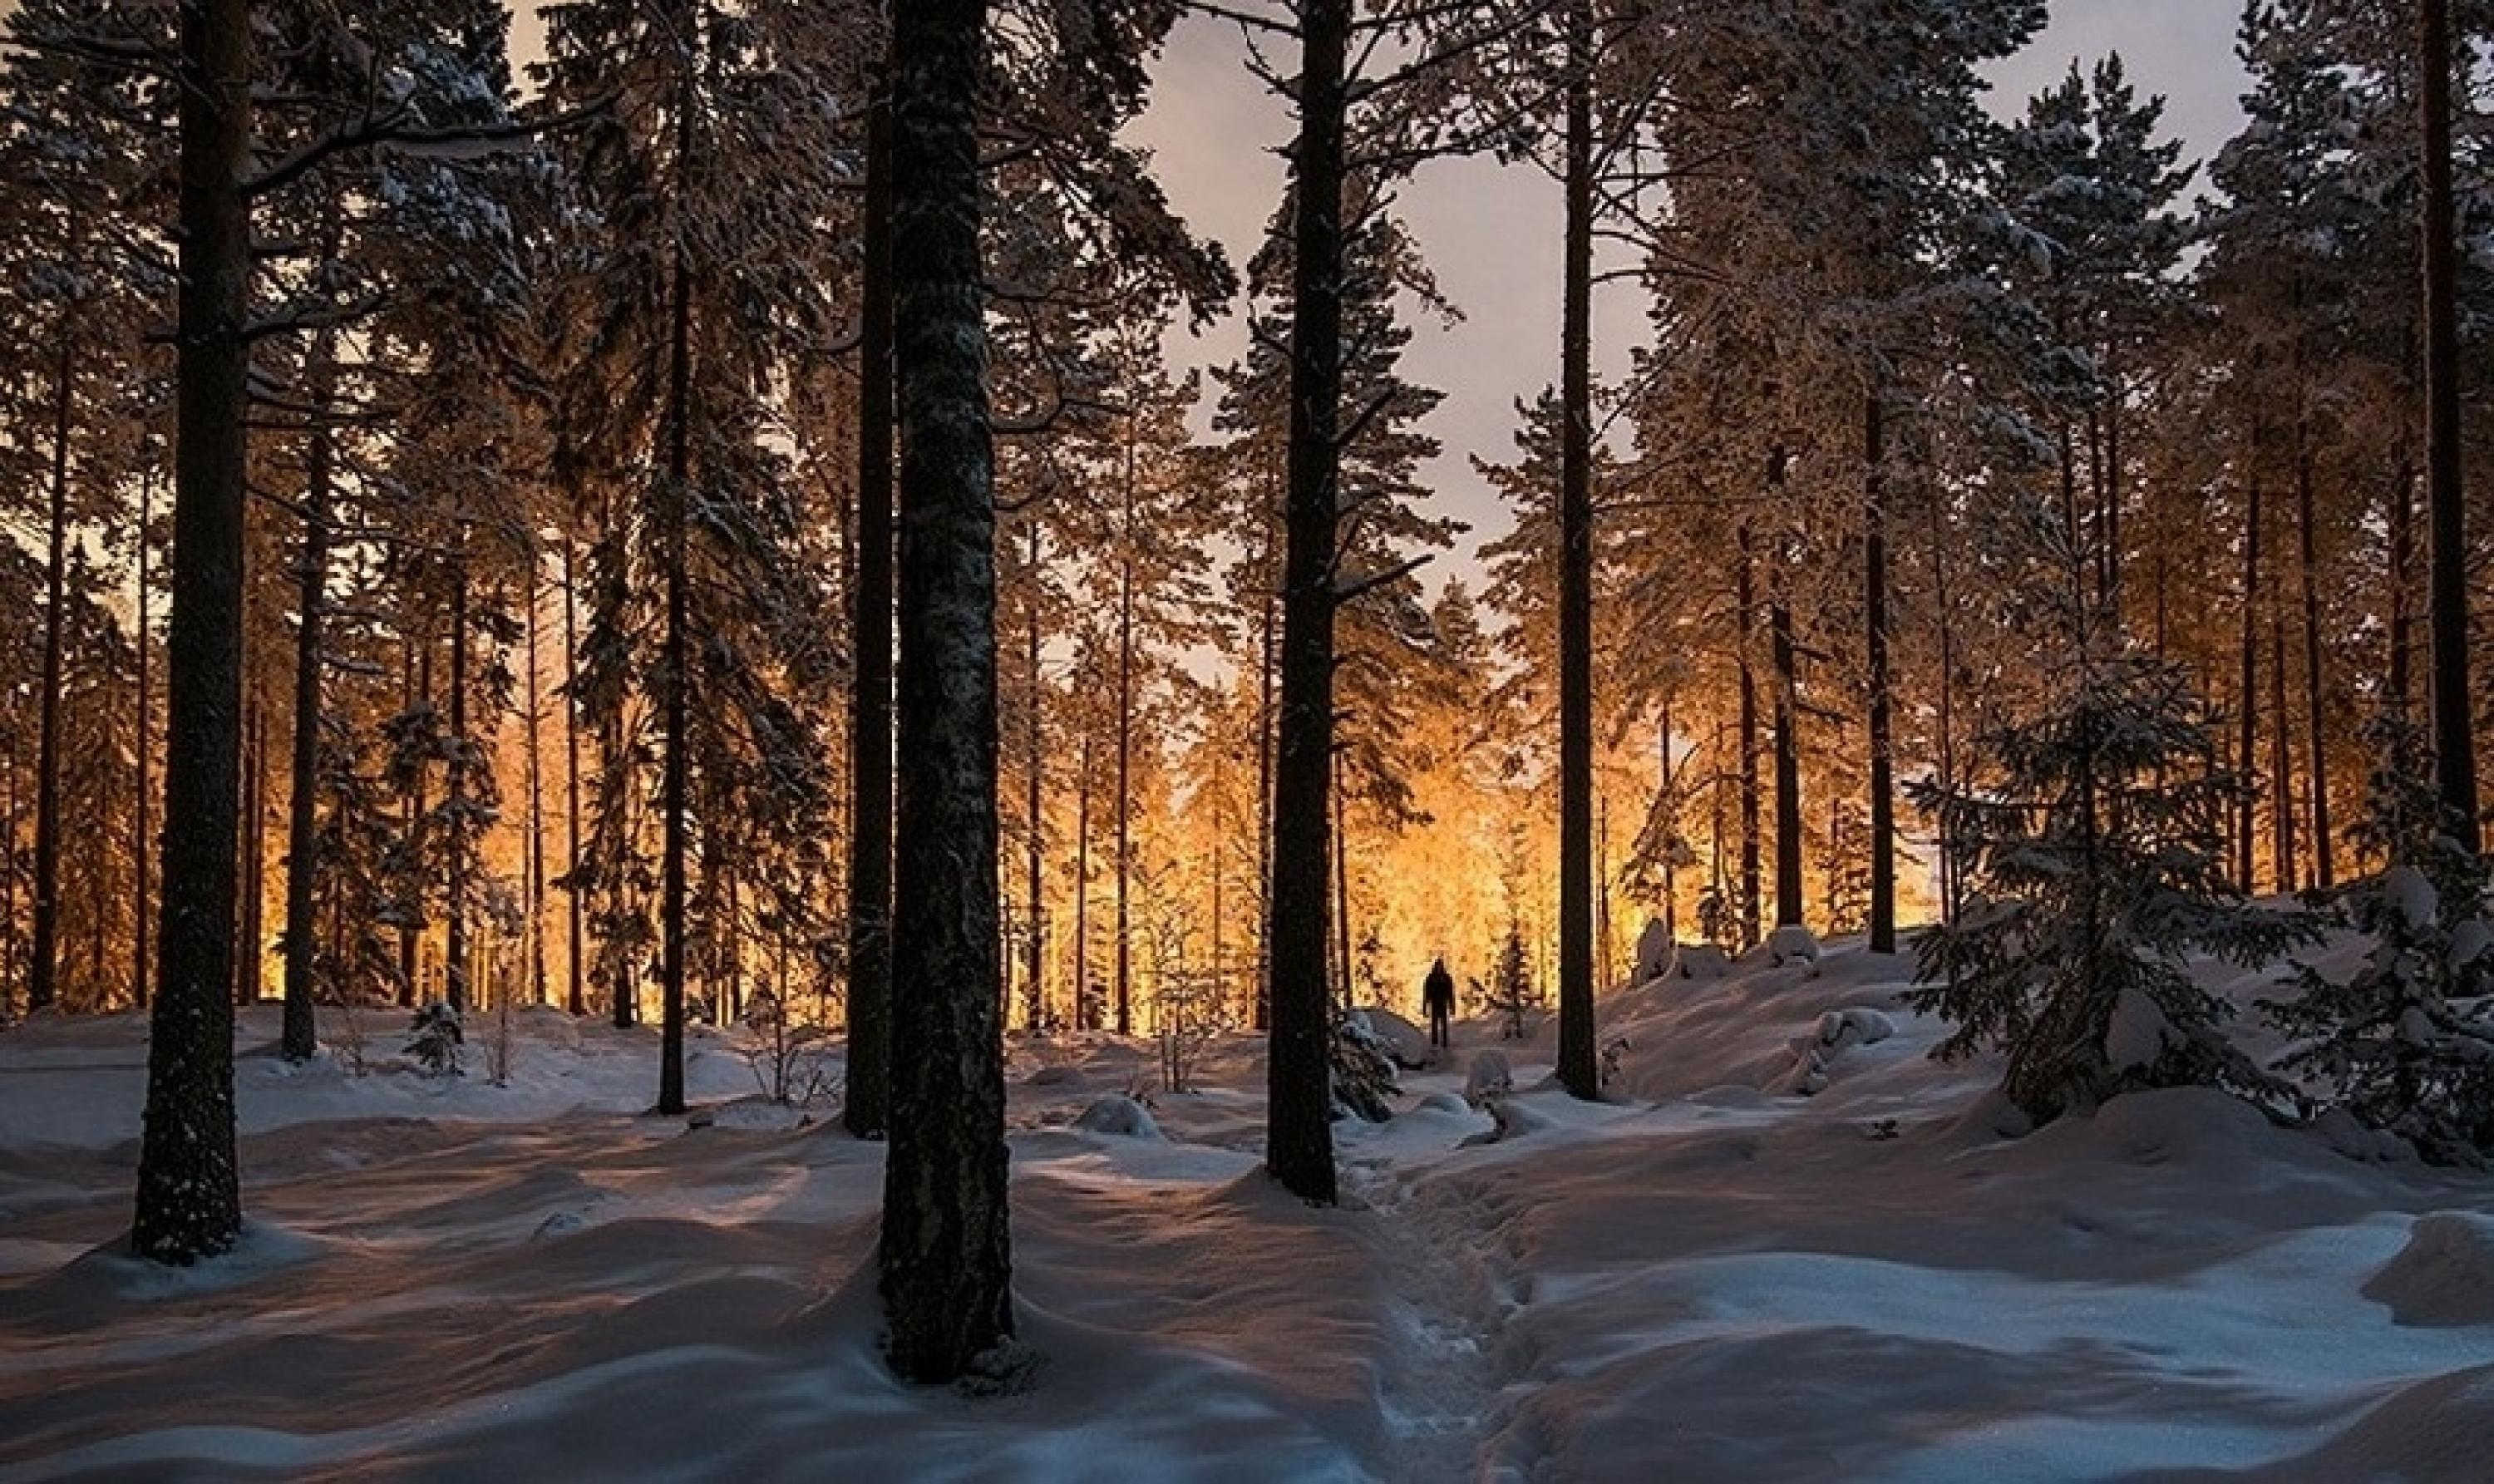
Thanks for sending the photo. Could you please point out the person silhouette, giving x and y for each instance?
(1438, 999)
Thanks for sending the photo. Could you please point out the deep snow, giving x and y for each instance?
(1714, 1278)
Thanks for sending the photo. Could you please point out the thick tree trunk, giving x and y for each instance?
(189, 1199)
(946, 1253)
(2454, 741)
(1874, 625)
(1577, 1069)
(869, 1009)
(1298, 1135)
(44, 968)
(1784, 654)
(675, 778)
(300, 1038)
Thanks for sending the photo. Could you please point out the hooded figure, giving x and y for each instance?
(1437, 997)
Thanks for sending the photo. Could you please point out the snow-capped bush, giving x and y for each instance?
(1792, 943)
(2407, 1045)
(790, 1057)
(434, 1040)
(1490, 1079)
(1363, 1069)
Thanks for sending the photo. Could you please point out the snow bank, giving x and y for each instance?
(2445, 1276)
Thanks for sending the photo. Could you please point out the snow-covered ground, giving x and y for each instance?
(1714, 1278)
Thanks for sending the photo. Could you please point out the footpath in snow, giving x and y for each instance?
(1793, 1248)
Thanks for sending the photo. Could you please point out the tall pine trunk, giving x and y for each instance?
(1745, 602)
(869, 998)
(300, 1038)
(1034, 842)
(2315, 694)
(533, 755)
(1084, 1016)
(459, 884)
(189, 1198)
(1577, 1069)
(1784, 654)
(2454, 742)
(44, 968)
(142, 839)
(1298, 1135)
(1124, 861)
(2247, 697)
(1874, 625)
(675, 777)
(575, 967)
(946, 1253)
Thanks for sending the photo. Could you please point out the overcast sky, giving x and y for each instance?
(1492, 234)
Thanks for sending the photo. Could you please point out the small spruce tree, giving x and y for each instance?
(1512, 993)
(2093, 844)
(2400, 1044)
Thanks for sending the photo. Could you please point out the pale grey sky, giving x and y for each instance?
(1492, 234)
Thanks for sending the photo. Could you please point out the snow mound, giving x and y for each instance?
(1443, 1103)
(1654, 954)
(1059, 1076)
(1490, 1079)
(1855, 1025)
(1410, 1047)
(1118, 1116)
(1700, 960)
(2137, 1034)
(2444, 1278)
(1792, 943)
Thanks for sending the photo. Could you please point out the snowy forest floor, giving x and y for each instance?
(1711, 1279)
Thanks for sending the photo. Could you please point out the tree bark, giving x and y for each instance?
(42, 967)
(533, 946)
(869, 1006)
(1744, 609)
(946, 1254)
(1034, 842)
(2315, 695)
(299, 1038)
(1124, 863)
(1577, 1068)
(2454, 741)
(1298, 1140)
(2398, 668)
(1084, 1018)
(457, 882)
(189, 1198)
(1874, 623)
(576, 996)
(675, 779)
(2248, 696)
(142, 839)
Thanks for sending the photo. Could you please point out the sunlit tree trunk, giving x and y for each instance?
(2314, 693)
(575, 969)
(2248, 722)
(1745, 610)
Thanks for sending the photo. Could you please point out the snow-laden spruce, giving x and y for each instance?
(2092, 834)
(2407, 1045)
